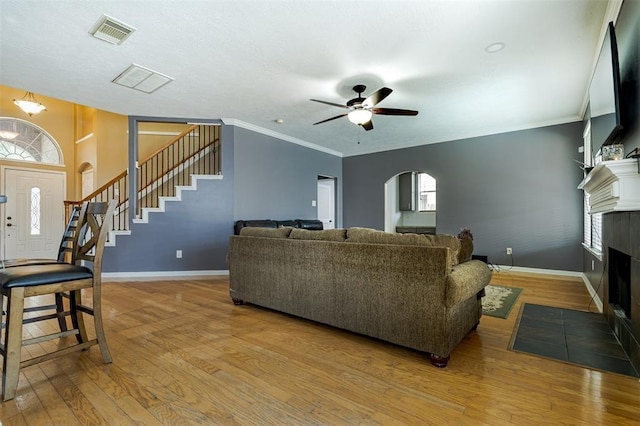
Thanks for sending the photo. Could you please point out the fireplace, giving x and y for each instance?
(621, 301)
(614, 189)
(620, 283)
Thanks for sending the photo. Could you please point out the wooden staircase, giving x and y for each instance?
(193, 154)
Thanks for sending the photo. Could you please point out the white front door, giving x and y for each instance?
(33, 216)
(327, 202)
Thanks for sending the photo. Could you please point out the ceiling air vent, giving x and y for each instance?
(143, 79)
(111, 30)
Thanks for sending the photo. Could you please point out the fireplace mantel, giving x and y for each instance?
(613, 186)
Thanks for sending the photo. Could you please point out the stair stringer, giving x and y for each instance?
(111, 240)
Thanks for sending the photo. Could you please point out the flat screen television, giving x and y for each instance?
(604, 94)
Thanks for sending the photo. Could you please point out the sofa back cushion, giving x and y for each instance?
(466, 249)
(373, 236)
(266, 232)
(324, 235)
(444, 240)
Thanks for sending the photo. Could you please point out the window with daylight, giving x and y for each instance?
(35, 211)
(24, 141)
(592, 222)
(426, 193)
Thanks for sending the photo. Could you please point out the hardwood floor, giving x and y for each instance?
(184, 354)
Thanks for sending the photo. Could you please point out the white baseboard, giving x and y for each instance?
(581, 275)
(165, 275)
(506, 268)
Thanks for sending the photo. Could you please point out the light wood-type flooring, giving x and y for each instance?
(184, 354)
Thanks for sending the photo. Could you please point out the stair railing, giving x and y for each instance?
(194, 151)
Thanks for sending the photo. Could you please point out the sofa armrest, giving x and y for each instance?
(466, 280)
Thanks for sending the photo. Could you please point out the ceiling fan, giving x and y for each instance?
(361, 110)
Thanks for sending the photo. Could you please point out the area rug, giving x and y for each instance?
(575, 337)
(499, 300)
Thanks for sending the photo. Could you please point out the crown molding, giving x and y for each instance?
(267, 132)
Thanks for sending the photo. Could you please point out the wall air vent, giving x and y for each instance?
(111, 30)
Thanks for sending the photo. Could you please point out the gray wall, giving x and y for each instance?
(263, 177)
(199, 225)
(276, 179)
(512, 190)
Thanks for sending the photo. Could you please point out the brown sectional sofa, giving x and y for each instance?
(411, 290)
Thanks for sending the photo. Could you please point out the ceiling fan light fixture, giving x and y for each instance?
(29, 104)
(359, 116)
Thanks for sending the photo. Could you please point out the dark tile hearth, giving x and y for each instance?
(577, 337)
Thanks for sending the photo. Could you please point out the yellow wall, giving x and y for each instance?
(112, 146)
(161, 135)
(102, 137)
(58, 120)
(88, 137)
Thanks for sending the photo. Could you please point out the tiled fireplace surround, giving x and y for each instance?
(621, 231)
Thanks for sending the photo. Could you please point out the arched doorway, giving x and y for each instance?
(410, 203)
(87, 182)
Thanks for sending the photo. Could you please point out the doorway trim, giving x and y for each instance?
(3, 183)
(334, 210)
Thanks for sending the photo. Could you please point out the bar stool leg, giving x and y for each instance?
(12, 343)
(62, 322)
(75, 299)
(97, 319)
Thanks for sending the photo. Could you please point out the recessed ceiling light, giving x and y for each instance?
(494, 47)
(279, 120)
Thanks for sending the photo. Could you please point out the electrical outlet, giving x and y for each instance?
(509, 251)
(178, 254)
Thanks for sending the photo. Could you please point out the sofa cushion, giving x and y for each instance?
(466, 250)
(266, 232)
(444, 240)
(283, 223)
(325, 235)
(262, 223)
(373, 236)
(314, 224)
(466, 245)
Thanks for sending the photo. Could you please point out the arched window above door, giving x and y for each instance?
(22, 140)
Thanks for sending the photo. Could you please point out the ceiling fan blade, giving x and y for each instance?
(329, 103)
(332, 118)
(376, 97)
(368, 125)
(393, 111)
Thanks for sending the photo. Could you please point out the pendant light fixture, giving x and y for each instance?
(29, 104)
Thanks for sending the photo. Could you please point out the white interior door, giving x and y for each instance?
(327, 202)
(33, 216)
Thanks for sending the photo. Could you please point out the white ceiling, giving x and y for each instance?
(258, 61)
